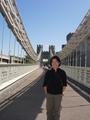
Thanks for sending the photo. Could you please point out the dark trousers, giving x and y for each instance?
(53, 106)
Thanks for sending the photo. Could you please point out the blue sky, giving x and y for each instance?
(49, 21)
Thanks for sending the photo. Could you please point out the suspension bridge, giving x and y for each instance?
(22, 70)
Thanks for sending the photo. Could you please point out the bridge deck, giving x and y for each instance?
(30, 105)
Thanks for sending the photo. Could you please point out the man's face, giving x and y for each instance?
(55, 64)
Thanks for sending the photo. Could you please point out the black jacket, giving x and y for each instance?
(55, 80)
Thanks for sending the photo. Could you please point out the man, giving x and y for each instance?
(54, 84)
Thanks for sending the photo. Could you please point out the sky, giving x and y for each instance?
(47, 22)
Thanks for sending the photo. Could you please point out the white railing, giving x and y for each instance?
(80, 74)
(10, 73)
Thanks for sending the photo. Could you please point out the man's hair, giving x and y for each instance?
(57, 58)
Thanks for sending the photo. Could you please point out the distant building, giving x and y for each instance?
(39, 47)
(52, 47)
(68, 37)
(63, 46)
(4, 59)
(15, 59)
(45, 57)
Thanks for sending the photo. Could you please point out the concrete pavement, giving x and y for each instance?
(32, 105)
(74, 107)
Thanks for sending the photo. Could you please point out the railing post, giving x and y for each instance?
(14, 50)
(76, 58)
(9, 46)
(70, 65)
(85, 80)
(73, 58)
(68, 60)
(76, 64)
(80, 64)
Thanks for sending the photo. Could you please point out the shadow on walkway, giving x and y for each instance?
(27, 106)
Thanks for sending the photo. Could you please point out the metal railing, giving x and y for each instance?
(15, 71)
(80, 74)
